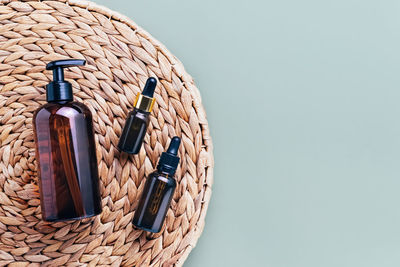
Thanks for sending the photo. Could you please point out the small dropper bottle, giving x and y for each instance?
(137, 121)
(158, 191)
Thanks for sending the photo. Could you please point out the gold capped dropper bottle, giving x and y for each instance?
(137, 121)
(158, 191)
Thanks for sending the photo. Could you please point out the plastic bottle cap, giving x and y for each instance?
(169, 160)
(145, 101)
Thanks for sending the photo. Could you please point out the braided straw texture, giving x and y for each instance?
(120, 57)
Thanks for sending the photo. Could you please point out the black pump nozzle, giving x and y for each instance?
(59, 89)
(169, 160)
(150, 86)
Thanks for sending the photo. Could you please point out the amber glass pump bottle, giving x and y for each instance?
(137, 121)
(65, 152)
(158, 191)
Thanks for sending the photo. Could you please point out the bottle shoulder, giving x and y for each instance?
(139, 114)
(79, 106)
(67, 109)
(170, 180)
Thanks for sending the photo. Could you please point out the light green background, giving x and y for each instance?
(303, 101)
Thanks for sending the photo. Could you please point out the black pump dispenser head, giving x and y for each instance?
(59, 89)
(169, 160)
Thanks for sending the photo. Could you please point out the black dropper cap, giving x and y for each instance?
(169, 160)
(59, 89)
(150, 86)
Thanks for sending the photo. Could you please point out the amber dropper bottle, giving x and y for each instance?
(137, 121)
(158, 191)
(66, 152)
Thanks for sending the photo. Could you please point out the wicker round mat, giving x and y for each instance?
(120, 57)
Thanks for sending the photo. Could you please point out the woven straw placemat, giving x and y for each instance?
(120, 57)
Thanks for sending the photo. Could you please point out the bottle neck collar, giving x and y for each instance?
(165, 169)
(59, 91)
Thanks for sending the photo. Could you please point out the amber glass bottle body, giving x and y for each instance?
(154, 202)
(67, 164)
(134, 131)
